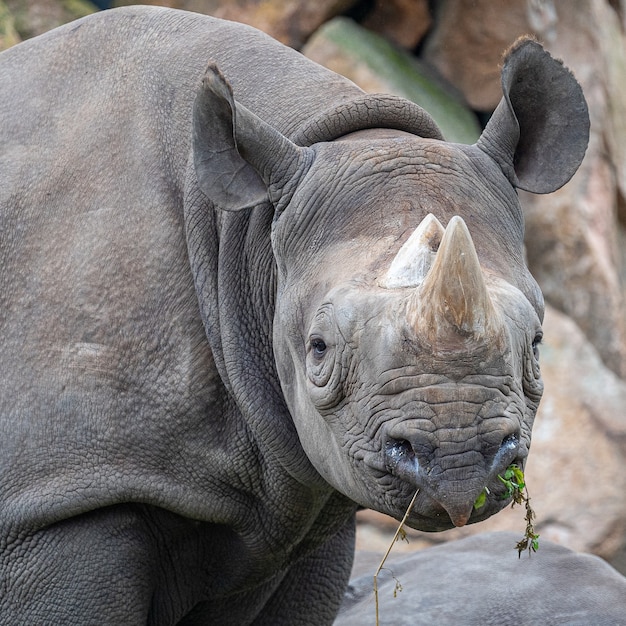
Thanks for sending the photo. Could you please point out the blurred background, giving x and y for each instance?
(445, 55)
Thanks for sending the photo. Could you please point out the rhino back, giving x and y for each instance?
(152, 58)
(110, 379)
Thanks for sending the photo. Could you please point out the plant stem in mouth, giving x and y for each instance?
(399, 531)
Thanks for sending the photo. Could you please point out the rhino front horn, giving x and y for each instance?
(453, 300)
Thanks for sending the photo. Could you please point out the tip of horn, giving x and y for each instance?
(415, 257)
(457, 229)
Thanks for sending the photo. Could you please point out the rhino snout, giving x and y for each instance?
(448, 479)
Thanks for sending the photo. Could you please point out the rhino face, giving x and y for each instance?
(381, 413)
(406, 351)
(406, 367)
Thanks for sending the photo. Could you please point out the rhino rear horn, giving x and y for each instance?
(453, 301)
(238, 157)
(539, 132)
(415, 257)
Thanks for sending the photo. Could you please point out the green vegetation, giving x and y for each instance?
(482, 498)
(515, 488)
(515, 485)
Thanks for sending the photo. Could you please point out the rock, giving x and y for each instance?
(575, 471)
(404, 22)
(289, 21)
(377, 66)
(479, 581)
(470, 36)
(574, 237)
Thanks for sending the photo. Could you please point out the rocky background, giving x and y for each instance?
(444, 55)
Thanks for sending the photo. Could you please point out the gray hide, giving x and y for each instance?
(212, 349)
(479, 581)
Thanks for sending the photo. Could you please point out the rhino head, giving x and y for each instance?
(406, 323)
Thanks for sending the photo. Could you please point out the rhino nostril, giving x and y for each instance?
(398, 450)
(401, 460)
(399, 447)
(510, 442)
(506, 454)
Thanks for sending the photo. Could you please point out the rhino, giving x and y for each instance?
(241, 298)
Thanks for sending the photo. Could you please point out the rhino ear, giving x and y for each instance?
(539, 132)
(237, 156)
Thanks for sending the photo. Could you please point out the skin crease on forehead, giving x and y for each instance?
(505, 216)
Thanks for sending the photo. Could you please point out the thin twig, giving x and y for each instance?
(382, 563)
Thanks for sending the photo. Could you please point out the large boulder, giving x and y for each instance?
(378, 66)
(479, 581)
(404, 22)
(575, 237)
(469, 37)
(289, 21)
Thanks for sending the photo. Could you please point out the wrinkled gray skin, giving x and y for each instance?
(479, 581)
(204, 366)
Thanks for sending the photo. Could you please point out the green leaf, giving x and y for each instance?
(519, 476)
(482, 498)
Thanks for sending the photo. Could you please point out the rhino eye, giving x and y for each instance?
(536, 341)
(319, 347)
(323, 365)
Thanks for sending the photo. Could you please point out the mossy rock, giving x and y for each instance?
(374, 63)
(8, 33)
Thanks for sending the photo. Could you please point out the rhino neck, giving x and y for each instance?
(234, 275)
(366, 112)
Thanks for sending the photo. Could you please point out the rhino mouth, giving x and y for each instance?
(444, 502)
